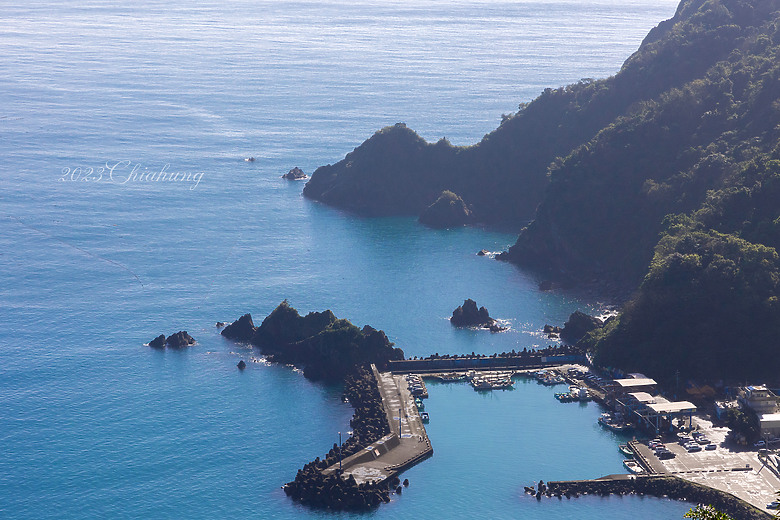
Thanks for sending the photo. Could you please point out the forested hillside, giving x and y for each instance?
(665, 177)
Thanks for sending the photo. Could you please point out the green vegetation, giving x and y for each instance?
(707, 513)
(326, 347)
(664, 177)
(709, 298)
(744, 425)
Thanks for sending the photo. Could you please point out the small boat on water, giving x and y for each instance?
(626, 450)
(425, 417)
(451, 378)
(614, 423)
(419, 403)
(565, 397)
(633, 466)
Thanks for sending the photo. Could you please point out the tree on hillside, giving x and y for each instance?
(701, 512)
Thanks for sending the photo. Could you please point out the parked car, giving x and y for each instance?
(710, 447)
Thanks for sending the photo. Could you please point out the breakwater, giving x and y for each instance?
(553, 356)
(316, 487)
(661, 486)
(362, 473)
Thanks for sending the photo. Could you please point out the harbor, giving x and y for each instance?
(700, 458)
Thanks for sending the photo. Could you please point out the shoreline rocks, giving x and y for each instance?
(578, 325)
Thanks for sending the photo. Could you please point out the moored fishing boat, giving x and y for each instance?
(614, 423)
(626, 450)
(633, 466)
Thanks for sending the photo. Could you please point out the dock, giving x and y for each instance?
(406, 445)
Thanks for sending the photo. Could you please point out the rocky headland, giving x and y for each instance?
(325, 347)
(660, 181)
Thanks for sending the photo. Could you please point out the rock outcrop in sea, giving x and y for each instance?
(179, 339)
(240, 330)
(448, 211)
(468, 315)
(325, 347)
(296, 174)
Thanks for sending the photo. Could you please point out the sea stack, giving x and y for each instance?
(179, 339)
(468, 315)
(295, 174)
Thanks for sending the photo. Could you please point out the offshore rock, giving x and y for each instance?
(327, 348)
(448, 211)
(240, 330)
(158, 342)
(468, 315)
(180, 339)
(241, 365)
(295, 174)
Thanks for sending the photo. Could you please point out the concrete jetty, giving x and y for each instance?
(405, 446)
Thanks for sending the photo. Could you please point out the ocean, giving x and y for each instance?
(97, 256)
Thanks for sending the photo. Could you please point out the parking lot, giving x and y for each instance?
(736, 470)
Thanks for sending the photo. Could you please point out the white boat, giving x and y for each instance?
(633, 466)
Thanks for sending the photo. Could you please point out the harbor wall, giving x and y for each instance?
(482, 363)
(663, 486)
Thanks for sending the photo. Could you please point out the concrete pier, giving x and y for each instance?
(405, 446)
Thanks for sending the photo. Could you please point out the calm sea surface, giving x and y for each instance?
(96, 258)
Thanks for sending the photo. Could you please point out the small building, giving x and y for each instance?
(759, 399)
(660, 413)
(722, 408)
(632, 385)
(770, 425)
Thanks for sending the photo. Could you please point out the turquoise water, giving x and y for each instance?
(95, 425)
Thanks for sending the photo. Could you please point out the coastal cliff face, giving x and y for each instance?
(681, 145)
(713, 112)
